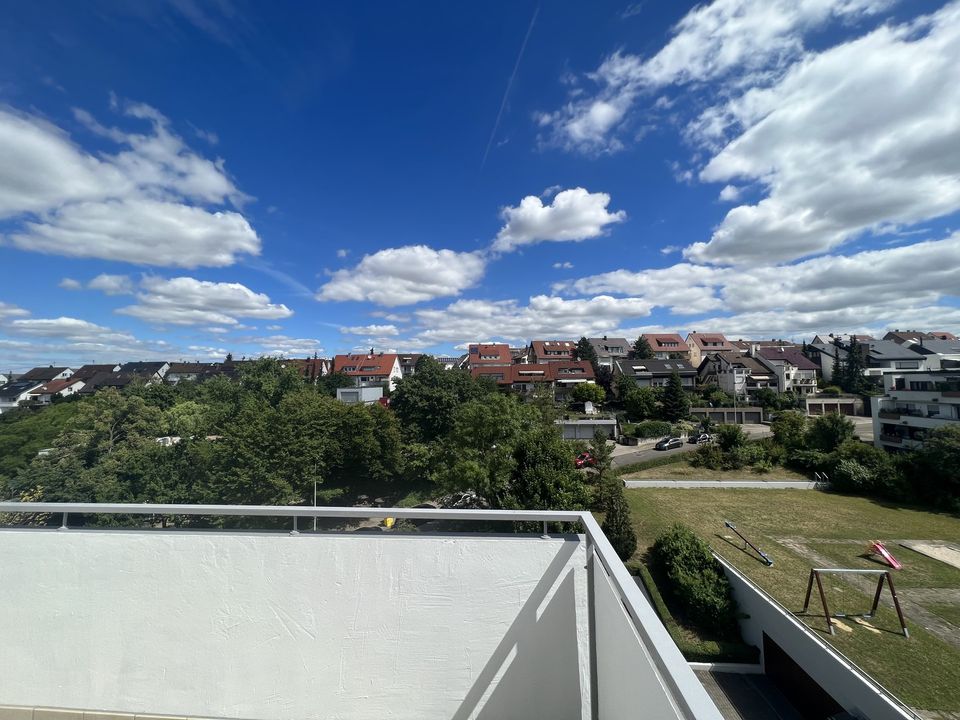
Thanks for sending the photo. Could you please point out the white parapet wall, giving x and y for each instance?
(274, 626)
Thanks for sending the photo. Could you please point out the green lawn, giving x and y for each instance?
(683, 470)
(950, 613)
(922, 670)
(918, 570)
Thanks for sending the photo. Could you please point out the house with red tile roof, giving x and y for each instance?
(794, 370)
(44, 394)
(370, 369)
(667, 346)
(488, 355)
(523, 378)
(701, 344)
(545, 351)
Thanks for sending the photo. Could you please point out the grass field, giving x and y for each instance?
(683, 470)
(924, 671)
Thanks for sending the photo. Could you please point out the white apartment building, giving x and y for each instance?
(914, 404)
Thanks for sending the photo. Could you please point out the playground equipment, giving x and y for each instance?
(766, 558)
(878, 548)
(884, 575)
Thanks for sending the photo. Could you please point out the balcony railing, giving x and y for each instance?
(687, 697)
(889, 414)
(893, 439)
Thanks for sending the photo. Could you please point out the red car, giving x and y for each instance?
(583, 460)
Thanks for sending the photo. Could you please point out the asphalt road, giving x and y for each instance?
(641, 455)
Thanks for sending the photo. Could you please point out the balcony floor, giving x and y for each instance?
(746, 697)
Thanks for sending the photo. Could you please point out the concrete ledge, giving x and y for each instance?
(739, 668)
(728, 484)
(19, 712)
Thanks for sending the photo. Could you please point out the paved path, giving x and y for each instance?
(632, 454)
(724, 484)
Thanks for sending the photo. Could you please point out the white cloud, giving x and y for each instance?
(381, 330)
(146, 204)
(70, 284)
(730, 193)
(573, 215)
(188, 301)
(846, 142)
(7, 311)
(710, 42)
(342, 253)
(288, 346)
(543, 316)
(563, 265)
(405, 275)
(112, 284)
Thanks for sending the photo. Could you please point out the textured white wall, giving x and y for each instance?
(275, 626)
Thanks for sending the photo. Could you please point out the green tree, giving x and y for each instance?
(789, 429)
(827, 432)
(853, 380)
(730, 437)
(602, 453)
(586, 351)
(642, 349)
(329, 384)
(939, 465)
(543, 476)
(675, 403)
(617, 522)
(588, 392)
(426, 401)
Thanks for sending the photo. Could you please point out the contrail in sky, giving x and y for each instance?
(513, 75)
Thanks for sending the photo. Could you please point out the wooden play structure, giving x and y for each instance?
(884, 575)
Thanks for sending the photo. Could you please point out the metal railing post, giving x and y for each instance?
(63, 522)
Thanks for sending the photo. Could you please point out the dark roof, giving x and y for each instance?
(192, 368)
(18, 387)
(935, 347)
(884, 350)
(44, 374)
(656, 367)
(902, 336)
(603, 345)
(85, 372)
(142, 368)
(787, 354)
(107, 380)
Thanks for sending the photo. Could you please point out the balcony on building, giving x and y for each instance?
(539, 620)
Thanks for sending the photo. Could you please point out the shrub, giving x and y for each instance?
(652, 428)
(789, 428)
(730, 436)
(809, 460)
(851, 476)
(829, 431)
(763, 467)
(696, 580)
(831, 390)
(708, 456)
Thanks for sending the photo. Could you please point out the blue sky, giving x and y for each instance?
(182, 179)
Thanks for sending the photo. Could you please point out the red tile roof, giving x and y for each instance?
(791, 355)
(55, 386)
(537, 372)
(480, 354)
(377, 364)
(664, 342)
(560, 349)
(711, 342)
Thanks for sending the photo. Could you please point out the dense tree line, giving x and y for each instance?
(266, 436)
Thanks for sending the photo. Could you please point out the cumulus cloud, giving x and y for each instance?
(188, 301)
(563, 265)
(7, 311)
(845, 143)
(710, 42)
(573, 215)
(405, 275)
(730, 193)
(381, 330)
(112, 284)
(147, 203)
(286, 346)
(543, 316)
(70, 284)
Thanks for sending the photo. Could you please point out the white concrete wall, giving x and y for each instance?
(844, 682)
(628, 686)
(273, 626)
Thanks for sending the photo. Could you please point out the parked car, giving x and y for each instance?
(583, 460)
(699, 438)
(669, 443)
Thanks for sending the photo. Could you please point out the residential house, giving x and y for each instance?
(45, 394)
(738, 375)
(656, 373)
(408, 363)
(914, 403)
(884, 356)
(545, 351)
(15, 392)
(149, 372)
(47, 374)
(191, 372)
(104, 380)
(609, 350)
(5, 378)
(746, 346)
(523, 378)
(943, 335)
(794, 371)
(370, 369)
(667, 346)
(487, 355)
(448, 362)
(901, 337)
(86, 372)
(702, 343)
(938, 354)
(310, 369)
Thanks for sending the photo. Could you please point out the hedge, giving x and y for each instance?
(647, 464)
